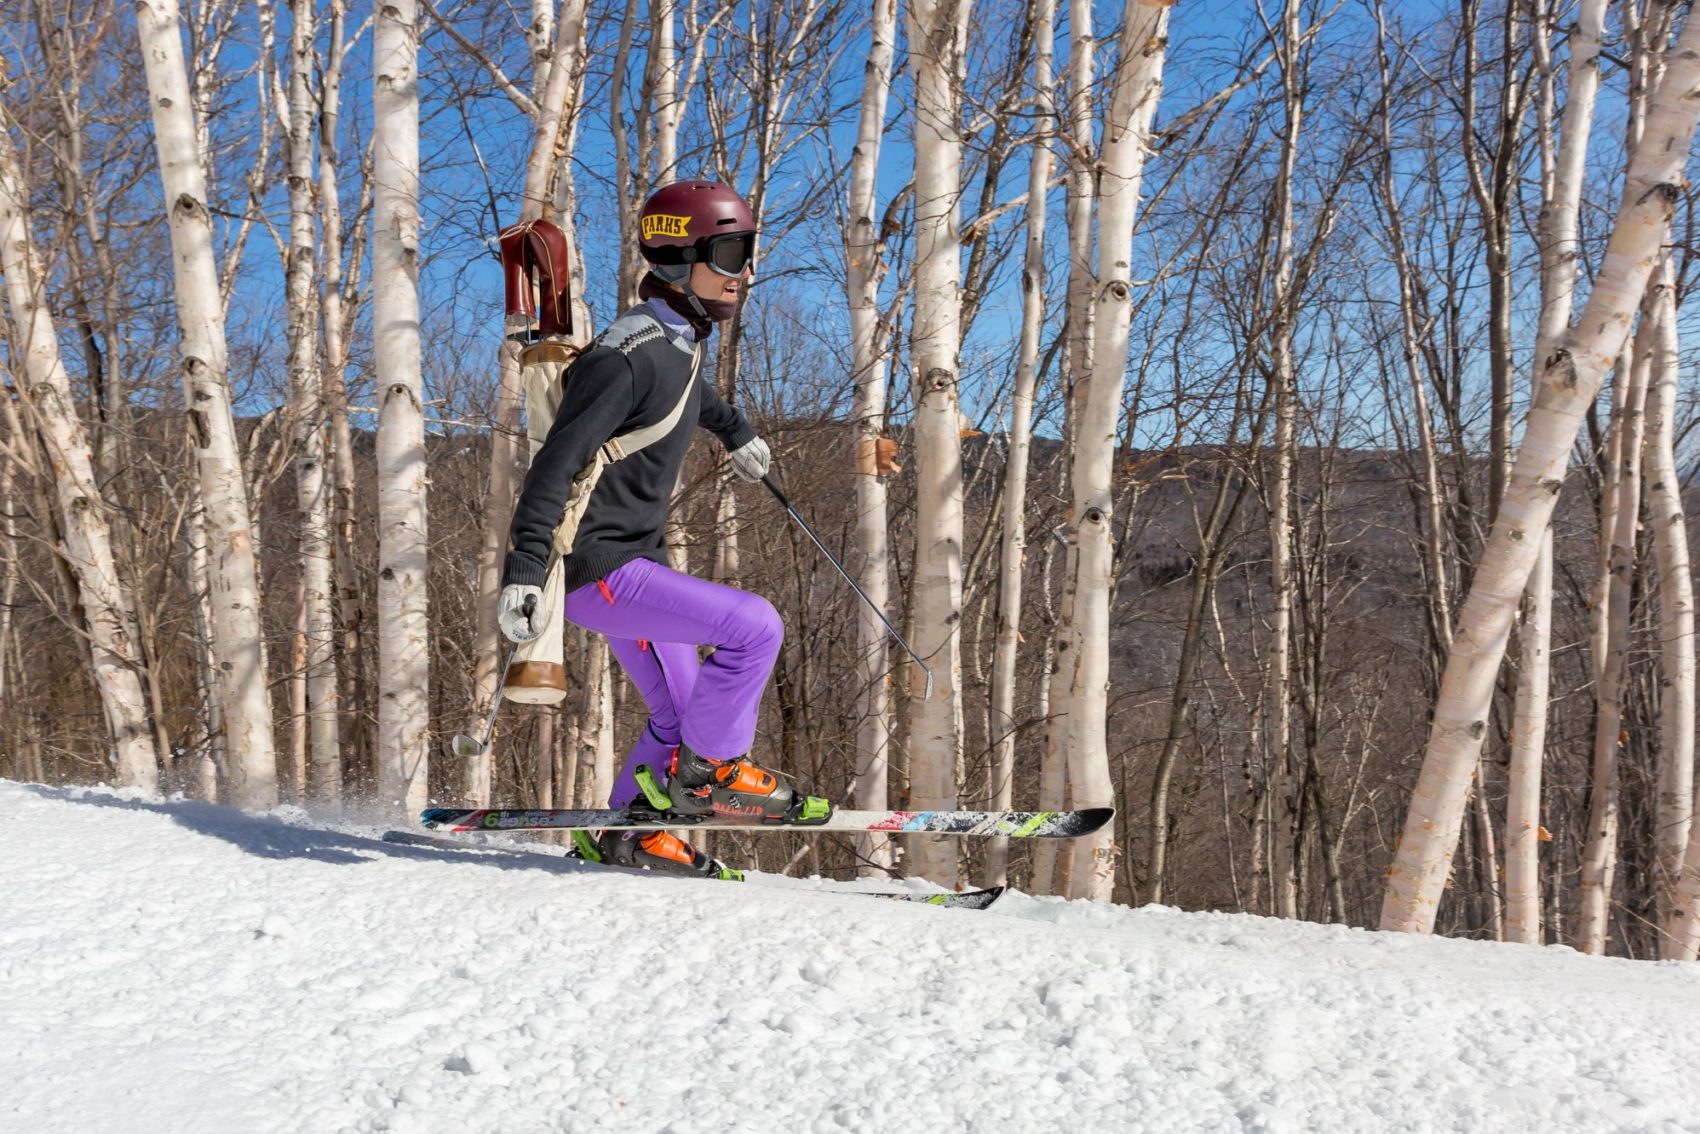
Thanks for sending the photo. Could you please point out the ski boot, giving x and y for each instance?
(651, 850)
(737, 789)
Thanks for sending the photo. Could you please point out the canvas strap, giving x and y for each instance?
(616, 449)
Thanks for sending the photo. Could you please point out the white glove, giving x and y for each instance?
(750, 459)
(519, 612)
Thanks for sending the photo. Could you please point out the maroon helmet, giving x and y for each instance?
(689, 221)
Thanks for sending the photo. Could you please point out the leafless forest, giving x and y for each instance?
(1267, 418)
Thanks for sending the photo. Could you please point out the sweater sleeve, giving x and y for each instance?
(723, 419)
(598, 396)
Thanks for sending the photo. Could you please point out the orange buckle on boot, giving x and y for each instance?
(735, 775)
(663, 845)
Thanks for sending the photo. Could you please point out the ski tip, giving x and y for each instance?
(436, 817)
(1090, 819)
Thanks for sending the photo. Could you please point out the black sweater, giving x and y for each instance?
(630, 377)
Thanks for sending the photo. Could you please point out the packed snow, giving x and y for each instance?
(183, 967)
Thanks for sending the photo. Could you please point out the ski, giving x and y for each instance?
(965, 900)
(1008, 824)
(960, 900)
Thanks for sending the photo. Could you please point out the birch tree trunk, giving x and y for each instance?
(554, 84)
(1675, 812)
(311, 495)
(86, 533)
(555, 108)
(250, 765)
(1493, 188)
(1043, 15)
(626, 193)
(1562, 173)
(403, 630)
(334, 388)
(1618, 530)
(935, 730)
(595, 756)
(667, 107)
(663, 70)
(1570, 381)
(1053, 864)
(870, 344)
(1121, 164)
(1523, 776)
(1599, 856)
(211, 757)
(1283, 794)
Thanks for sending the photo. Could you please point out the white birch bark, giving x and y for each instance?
(9, 578)
(554, 82)
(86, 532)
(403, 629)
(296, 776)
(667, 109)
(1277, 701)
(311, 486)
(1562, 170)
(626, 193)
(1619, 523)
(251, 764)
(594, 776)
(1013, 553)
(1523, 776)
(1599, 597)
(211, 756)
(1053, 862)
(1675, 811)
(564, 190)
(554, 110)
(334, 389)
(935, 727)
(1682, 931)
(1571, 381)
(869, 342)
(1599, 856)
(1121, 164)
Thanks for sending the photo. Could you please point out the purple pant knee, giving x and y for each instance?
(655, 618)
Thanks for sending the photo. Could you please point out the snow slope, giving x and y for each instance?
(181, 967)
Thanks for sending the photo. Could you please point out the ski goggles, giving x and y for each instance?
(731, 254)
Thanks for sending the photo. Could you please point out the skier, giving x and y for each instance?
(699, 240)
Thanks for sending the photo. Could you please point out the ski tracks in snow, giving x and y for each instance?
(181, 967)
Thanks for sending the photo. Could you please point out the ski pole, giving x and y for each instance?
(468, 748)
(861, 594)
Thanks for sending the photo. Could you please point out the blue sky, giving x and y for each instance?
(474, 149)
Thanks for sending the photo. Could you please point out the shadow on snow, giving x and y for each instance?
(271, 836)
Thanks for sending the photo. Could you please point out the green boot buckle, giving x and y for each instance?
(585, 843)
(814, 809)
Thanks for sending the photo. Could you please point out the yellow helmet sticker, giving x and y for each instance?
(659, 224)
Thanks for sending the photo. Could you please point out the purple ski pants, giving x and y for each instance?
(655, 618)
